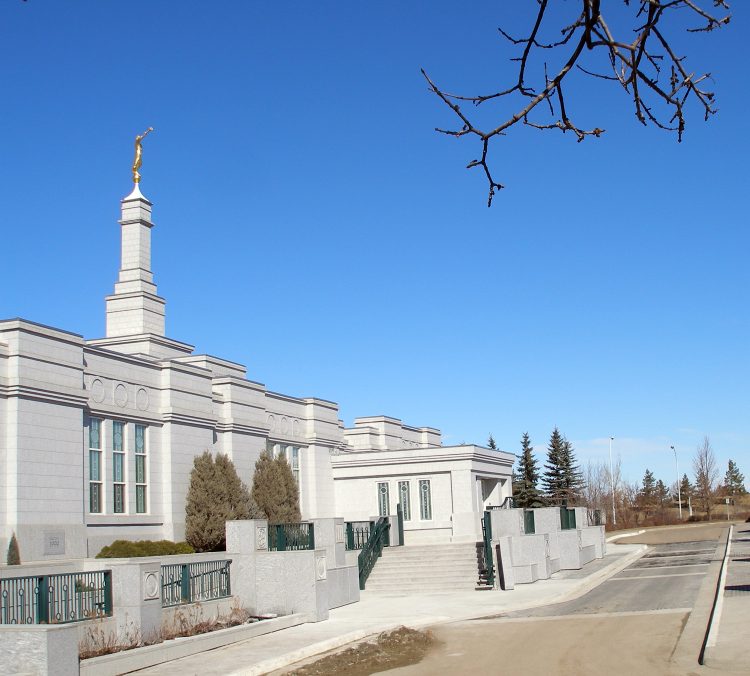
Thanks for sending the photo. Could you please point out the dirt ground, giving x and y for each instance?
(672, 534)
(388, 650)
(569, 646)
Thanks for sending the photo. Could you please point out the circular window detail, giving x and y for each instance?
(141, 399)
(121, 395)
(97, 391)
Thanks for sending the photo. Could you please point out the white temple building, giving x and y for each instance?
(98, 436)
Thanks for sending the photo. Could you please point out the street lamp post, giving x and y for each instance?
(612, 483)
(677, 469)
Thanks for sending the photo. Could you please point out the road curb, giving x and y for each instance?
(614, 538)
(689, 651)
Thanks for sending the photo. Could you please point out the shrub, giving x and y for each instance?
(216, 495)
(275, 490)
(695, 518)
(14, 552)
(126, 549)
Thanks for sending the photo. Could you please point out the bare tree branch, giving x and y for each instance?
(637, 65)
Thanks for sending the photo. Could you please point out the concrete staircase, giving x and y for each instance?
(425, 568)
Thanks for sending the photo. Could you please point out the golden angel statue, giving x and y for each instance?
(139, 154)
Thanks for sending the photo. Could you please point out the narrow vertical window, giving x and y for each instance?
(118, 466)
(95, 465)
(294, 462)
(425, 500)
(404, 499)
(140, 469)
(384, 502)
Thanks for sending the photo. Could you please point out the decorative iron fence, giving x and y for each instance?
(55, 599)
(285, 537)
(193, 582)
(373, 549)
(357, 534)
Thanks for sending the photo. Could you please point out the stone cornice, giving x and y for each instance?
(410, 456)
(39, 394)
(35, 328)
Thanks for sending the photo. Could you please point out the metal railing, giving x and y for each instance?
(193, 582)
(487, 567)
(284, 537)
(373, 549)
(55, 599)
(357, 534)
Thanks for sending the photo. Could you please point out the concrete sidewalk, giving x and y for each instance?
(378, 612)
(728, 651)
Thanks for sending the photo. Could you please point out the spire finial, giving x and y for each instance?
(139, 155)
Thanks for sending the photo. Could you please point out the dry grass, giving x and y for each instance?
(187, 621)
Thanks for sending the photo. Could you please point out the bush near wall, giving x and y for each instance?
(125, 549)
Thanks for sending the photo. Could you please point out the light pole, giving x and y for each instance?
(612, 482)
(677, 469)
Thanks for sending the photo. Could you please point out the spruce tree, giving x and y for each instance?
(661, 492)
(734, 481)
(553, 479)
(573, 483)
(525, 491)
(275, 489)
(14, 552)
(648, 490)
(686, 488)
(491, 443)
(215, 495)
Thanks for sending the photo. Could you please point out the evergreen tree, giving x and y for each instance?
(491, 443)
(648, 491)
(573, 483)
(553, 479)
(525, 491)
(275, 489)
(686, 488)
(734, 481)
(662, 493)
(14, 552)
(215, 495)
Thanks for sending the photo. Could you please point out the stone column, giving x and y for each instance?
(136, 596)
(245, 539)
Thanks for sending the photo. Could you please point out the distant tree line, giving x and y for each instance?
(652, 501)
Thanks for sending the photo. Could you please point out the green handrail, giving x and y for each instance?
(373, 549)
(489, 568)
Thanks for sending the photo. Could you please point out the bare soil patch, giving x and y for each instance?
(389, 650)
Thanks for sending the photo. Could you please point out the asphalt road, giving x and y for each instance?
(629, 624)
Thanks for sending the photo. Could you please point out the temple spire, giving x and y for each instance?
(135, 308)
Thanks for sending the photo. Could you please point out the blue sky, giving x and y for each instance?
(313, 226)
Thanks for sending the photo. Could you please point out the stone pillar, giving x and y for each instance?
(245, 539)
(135, 308)
(42, 649)
(330, 535)
(136, 595)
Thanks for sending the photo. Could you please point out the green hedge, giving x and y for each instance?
(125, 549)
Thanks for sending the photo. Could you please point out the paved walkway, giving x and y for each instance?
(378, 611)
(730, 652)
